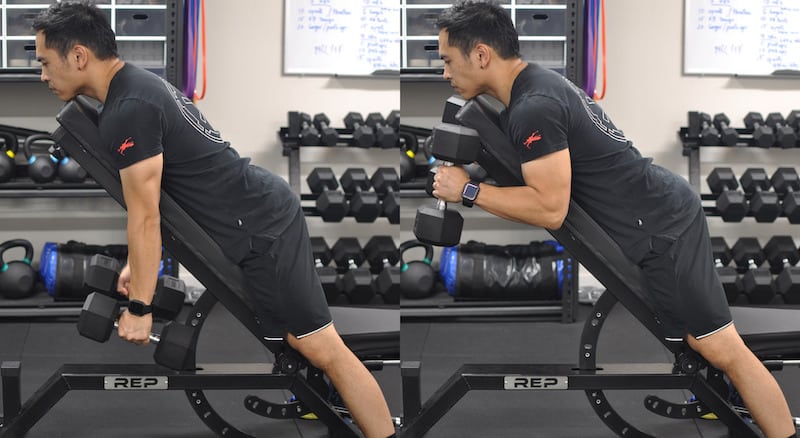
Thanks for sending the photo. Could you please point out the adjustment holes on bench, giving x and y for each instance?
(140, 16)
(542, 17)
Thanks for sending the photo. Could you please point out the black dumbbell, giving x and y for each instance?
(762, 134)
(763, 203)
(728, 135)
(363, 135)
(786, 182)
(783, 256)
(730, 202)
(386, 182)
(793, 120)
(785, 136)
(727, 274)
(309, 136)
(355, 281)
(101, 276)
(327, 274)
(709, 136)
(382, 255)
(7, 154)
(385, 135)
(453, 144)
(364, 205)
(393, 120)
(328, 135)
(330, 203)
(756, 282)
(41, 168)
(174, 346)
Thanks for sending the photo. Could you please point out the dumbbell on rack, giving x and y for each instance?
(783, 256)
(386, 182)
(786, 182)
(328, 136)
(762, 134)
(363, 135)
(730, 202)
(727, 274)
(327, 274)
(393, 120)
(785, 136)
(763, 203)
(309, 136)
(355, 281)
(728, 135)
(385, 136)
(382, 255)
(364, 204)
(330, 203)
(453, 144)
(756, 282)
(709, 136)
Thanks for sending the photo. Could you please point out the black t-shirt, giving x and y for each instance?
(626, 194)
(231, 199)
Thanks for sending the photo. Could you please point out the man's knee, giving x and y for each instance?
(322, 348)
(723, 349)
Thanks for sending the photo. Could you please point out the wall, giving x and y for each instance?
(648, 97)
(247, 100)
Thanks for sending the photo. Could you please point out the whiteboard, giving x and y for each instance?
(741, 37)
(341, 37)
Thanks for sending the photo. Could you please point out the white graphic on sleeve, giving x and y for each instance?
(597, 115)
(192, 114)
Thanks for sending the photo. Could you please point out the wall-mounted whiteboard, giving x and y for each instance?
(341, 37)
(741, 37)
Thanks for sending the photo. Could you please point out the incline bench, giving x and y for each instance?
(372, 334)
(772, 334)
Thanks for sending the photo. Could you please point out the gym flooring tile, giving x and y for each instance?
(42, 347)
(442, 347)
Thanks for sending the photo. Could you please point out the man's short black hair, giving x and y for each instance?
(471, 22)
(68, 23)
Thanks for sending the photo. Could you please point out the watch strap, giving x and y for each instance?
(138, 308)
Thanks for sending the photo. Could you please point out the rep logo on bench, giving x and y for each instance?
(135, 383)
(535, 382)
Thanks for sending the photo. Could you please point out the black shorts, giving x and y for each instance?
(280, 273)
(684, 284)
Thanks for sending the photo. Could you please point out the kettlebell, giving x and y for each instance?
(41, 168)
(10, 149)
(17, 277)
(417, 277)
(409, 147)
(70, 171)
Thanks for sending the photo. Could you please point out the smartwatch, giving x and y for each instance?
(138, 308)
(470, 193)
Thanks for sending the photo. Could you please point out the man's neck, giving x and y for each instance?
(504, 77)
(101, 78)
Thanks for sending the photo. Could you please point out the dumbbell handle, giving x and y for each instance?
(154, 338)
(441, 204)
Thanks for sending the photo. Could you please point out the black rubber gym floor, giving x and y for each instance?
(441, 346)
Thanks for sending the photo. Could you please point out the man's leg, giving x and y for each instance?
(760, 392)
(359, 390)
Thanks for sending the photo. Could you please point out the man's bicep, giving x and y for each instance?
(551, 175)
(141, 184)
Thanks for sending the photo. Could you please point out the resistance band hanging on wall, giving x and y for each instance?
(195, 36)
(595, 35)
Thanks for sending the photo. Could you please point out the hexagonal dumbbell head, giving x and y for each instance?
(363, 136)
(786, 182)
(309, 136)
(762, 134)
(328, 136)
(708, 134)
(393, 120)
(728, 135)
(785, 136)
(385, 135)
(455, 144)
(438, 227)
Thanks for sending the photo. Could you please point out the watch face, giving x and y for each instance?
(470, 191)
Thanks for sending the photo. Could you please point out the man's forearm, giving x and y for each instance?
(520, 204)
(144, 256)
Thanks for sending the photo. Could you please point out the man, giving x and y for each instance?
(158, 139)
(569, 148)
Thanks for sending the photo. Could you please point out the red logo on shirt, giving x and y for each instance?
(535, 136)
(127, 144)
